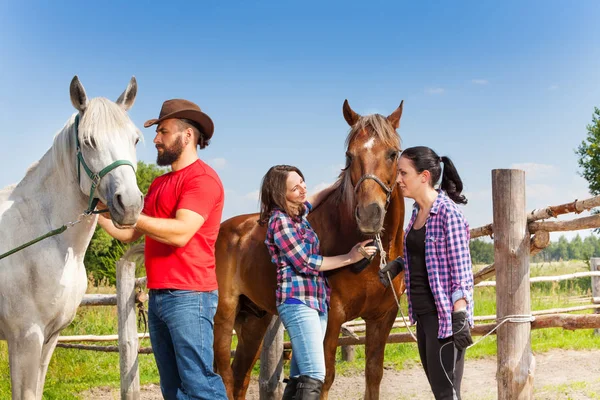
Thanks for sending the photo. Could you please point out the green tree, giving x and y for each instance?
(562, 249)
(104, 251)
(576, 248)
(482, 252)
(589, 154)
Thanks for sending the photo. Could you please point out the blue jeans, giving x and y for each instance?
(306, 328)
(181, 333)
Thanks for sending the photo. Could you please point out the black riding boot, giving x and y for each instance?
(308, 388)
(290, 389)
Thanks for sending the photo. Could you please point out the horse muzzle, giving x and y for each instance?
(125, 207)
(370, 218)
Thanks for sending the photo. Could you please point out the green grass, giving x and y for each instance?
(74, 371)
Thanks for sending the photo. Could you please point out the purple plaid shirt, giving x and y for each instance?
(447, 258)
(294, 249)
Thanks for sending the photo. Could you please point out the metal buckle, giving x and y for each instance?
(95, 179)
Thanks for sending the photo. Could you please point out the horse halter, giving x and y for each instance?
(95, 177)
(388, 190)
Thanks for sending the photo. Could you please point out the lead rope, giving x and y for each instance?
(382, 263)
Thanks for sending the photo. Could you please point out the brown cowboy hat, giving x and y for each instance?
(180, 108)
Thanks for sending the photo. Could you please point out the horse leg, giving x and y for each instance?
(250, 332)
(334, 325)
(377, 332)
(47, 351)
(25, 353)
(223, 332)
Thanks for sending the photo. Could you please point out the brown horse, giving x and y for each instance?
(365, 202)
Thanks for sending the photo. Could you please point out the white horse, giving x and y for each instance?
(42, 285)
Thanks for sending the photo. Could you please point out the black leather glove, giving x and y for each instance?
(359, 266)
(461, 329)
(394, 267)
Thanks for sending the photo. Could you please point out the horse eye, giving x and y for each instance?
(91, 142)
(393, 155)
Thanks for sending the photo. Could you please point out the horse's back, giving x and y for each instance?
(243, 263)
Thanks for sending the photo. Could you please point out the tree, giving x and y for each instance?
(482, 252)
(589, 154)
(104, 251)
(576, 248)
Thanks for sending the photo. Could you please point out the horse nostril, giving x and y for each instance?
(119, 201)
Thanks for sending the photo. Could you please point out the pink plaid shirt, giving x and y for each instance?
(447, 258)
(294, 249)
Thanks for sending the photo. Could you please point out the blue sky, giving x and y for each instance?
(503, 85)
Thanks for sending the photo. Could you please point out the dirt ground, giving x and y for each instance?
(559, 374)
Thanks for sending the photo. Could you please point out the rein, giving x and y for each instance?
(383, 254)
(93, 202)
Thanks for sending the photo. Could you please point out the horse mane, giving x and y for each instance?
(101, 120)
(377, 127)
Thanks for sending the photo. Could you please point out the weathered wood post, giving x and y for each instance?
(595, 266)
(271, 362)
(348, 353)
(511, 258)
(128, 338)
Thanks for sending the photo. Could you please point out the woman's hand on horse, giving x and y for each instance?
(360, 251)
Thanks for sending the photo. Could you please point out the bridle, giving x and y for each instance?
(95, 177)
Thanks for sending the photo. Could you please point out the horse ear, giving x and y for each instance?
(349, 115)
(127, 98)
(78, 97)
(394, 118)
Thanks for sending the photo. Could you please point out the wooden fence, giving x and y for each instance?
(516, 235)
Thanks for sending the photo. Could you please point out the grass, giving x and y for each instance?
(74, 371)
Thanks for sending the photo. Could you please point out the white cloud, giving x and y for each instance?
(480, 81)
(553, 87)
(479, 195)
(320, 187)
(435, 90)
(217, 163)
(252, 196)
(535, 171)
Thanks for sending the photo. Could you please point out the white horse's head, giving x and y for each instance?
(107, 138)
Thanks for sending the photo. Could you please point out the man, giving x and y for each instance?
(180, 221)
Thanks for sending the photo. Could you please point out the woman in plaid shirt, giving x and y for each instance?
(302, 289)
(439, 276)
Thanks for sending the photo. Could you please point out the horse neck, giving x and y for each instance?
(337, 231)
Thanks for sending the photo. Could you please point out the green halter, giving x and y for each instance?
(93, 201)
(94, 177)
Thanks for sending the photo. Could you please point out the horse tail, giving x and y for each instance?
(135, 254)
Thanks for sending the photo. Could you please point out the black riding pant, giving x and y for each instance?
(443, 363)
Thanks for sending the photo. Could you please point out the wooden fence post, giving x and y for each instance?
(128, 337)
(595, 266)
(271, 362)
(511, 258)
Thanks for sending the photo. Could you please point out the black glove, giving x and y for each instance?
(394, 267)
(359, 266)
(461, 329)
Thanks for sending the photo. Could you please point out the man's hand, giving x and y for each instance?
(394, 267)
(461, 329)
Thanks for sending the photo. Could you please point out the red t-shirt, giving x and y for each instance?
(198, 188)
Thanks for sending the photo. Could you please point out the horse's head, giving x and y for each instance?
(106, 139)
(373, 146)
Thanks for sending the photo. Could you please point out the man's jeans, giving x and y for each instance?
(181, 333)
(306, 328)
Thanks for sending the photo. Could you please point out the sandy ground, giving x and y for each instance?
(559, 375)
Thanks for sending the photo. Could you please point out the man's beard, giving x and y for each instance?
(170, 155)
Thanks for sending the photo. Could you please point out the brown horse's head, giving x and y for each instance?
(372, 150)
